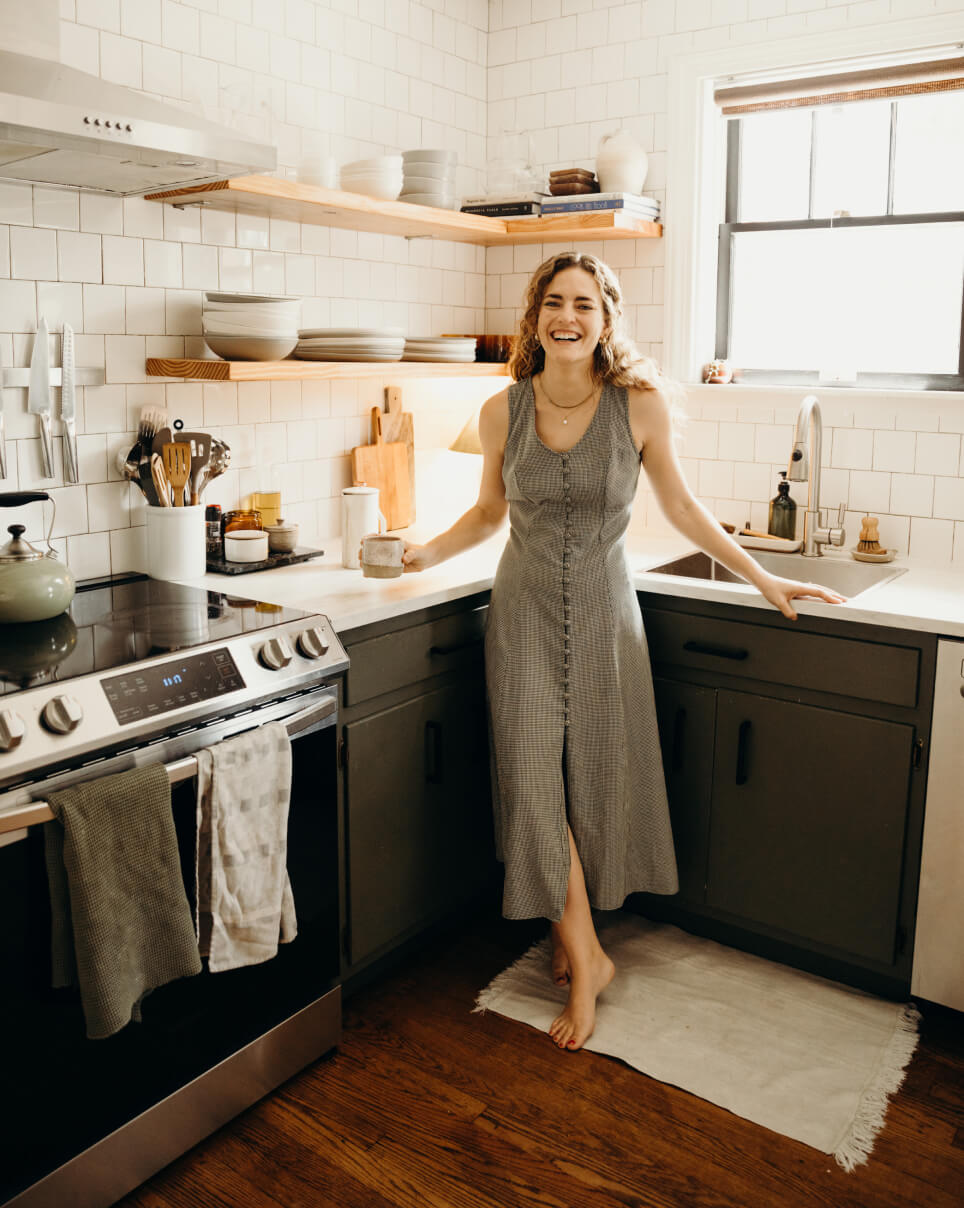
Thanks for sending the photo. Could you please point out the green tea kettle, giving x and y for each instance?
(34, 585)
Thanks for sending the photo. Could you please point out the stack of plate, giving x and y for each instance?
(350, 344)
(429, 178)
(379, 177)
(250, 327)
(456, 349)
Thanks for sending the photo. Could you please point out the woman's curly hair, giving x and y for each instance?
(616, 358)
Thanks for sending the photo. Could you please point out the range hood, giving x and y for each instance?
(61, 126)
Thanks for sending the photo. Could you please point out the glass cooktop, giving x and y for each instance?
(112, 623)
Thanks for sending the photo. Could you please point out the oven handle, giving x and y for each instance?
(320, 713)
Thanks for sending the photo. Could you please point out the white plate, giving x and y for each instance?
(347, 356)
(432, 157)
(353, 340)
(451, 342)
(378, 163)
(379, 333)
(447, 358)
(425, 168)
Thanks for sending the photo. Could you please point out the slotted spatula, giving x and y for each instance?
(177, 464)
(200, 445)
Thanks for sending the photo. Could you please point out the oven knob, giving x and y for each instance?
(312, 642)
(275, 654)
(12, 729)
(62, 714)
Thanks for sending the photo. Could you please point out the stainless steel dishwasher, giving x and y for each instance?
(938, 972)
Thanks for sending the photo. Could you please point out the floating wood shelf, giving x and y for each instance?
(293, 370)
(274, 198)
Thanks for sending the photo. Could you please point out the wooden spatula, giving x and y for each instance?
(177, 464)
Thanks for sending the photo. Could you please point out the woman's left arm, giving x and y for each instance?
(652, 425)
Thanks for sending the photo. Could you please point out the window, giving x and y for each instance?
(841, 254)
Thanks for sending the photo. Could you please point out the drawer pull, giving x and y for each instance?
(443, 651)
(743, 753)
(678, 732)
(720, 652)
(433, 752)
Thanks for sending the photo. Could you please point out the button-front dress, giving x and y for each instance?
(572, 716)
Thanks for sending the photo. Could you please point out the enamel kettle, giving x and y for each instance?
(34, 585)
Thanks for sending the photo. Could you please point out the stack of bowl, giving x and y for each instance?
(250, 327)
(379, 177)
(429, 178)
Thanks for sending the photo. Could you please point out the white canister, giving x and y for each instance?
(359, 517)
(621, 163)
(176, 542)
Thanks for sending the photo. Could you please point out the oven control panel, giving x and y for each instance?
(154, 697)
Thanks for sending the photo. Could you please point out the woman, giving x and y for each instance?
(581, 818)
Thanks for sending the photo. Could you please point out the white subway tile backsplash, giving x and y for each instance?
(937, 453)
(894, 451)
(16, 203)
(55, 208)
(932, 540)
(18, 306)
(101, 214)
(949, 498)
(869, 491)
(123, 260)
(79, 256)
(60, 304)
(33, 253)
(912, 494)
(104, 307)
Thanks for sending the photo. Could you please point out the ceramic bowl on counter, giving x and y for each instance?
(282, 537)
(246, 545)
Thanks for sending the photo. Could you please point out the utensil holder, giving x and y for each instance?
(176, 542)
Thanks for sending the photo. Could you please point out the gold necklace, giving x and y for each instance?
(563, 407)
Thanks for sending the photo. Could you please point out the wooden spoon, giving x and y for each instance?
(177, 464)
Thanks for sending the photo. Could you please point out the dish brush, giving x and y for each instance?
(869, 542)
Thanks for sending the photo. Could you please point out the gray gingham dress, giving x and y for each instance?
(567, 664)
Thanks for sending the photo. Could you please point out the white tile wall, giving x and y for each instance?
(355, 78)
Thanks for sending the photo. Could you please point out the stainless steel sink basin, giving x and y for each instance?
(848, 578)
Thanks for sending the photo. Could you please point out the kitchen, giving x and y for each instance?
(350, 80)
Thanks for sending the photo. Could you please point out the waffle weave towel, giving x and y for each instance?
(121, 922)
(244, 899)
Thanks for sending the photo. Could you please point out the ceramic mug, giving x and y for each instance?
(381, 556)
(359, 516)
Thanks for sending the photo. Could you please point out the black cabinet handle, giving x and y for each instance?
(433, 752)
(743, 753)
(720, 652)
(679, 731)
(442, 651)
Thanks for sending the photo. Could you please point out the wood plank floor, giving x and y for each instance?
(425, 1103)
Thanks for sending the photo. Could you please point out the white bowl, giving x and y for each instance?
(431, 157)
(379, 163)
(373, 187)
(426, 168)
(426, 184)
(431, 199)
(246, 545)
(257, 298)
(256, 332)
(250, 348)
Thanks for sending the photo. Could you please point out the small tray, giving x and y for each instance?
(886, 555)
(777, 544)
(221, 566)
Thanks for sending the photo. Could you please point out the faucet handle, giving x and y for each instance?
(841, 514)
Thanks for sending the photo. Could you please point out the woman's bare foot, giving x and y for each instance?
(574, 1026)
(560, 959)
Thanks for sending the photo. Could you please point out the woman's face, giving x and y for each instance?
(571, 317)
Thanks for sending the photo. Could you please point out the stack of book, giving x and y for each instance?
(634, 204)
(513, 205)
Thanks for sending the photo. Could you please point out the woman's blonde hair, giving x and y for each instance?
(616, 359)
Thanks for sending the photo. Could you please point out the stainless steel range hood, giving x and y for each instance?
(61, 126)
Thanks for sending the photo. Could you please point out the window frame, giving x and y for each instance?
(731, 227)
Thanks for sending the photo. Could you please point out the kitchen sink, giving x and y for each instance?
(848, 578)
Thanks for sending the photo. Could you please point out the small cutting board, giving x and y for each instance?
(384, 464)
(398, 425)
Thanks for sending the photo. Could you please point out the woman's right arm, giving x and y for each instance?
(487, 514)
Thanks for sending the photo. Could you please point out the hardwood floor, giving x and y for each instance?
(425, 1103)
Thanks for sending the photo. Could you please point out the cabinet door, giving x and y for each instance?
(686, 714)
(419, 812)
(808, 818)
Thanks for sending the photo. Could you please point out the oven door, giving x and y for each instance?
(87, 1120)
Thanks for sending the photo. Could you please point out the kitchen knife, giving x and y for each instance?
(68, 407)
(38, 396)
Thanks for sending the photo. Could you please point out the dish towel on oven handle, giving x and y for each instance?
(244, 899)
(120, 919)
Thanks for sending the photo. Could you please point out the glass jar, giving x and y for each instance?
(241, 518)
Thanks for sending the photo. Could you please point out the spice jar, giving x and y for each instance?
(212, 525)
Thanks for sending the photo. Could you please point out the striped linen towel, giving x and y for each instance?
(244, 899)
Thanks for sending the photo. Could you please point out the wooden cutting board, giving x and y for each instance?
(384, 464)
(399, 425)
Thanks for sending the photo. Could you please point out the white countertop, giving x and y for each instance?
(926, 597)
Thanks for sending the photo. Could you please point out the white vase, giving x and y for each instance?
(621, 163)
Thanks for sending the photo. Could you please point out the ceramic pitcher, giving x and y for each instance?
(359, 517)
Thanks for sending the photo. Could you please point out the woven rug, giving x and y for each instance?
(805, 1057)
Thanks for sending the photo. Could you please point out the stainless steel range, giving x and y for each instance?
(142, 671)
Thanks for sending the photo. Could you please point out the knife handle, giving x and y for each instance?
(71, 470)
(16, 499)
(46, 445)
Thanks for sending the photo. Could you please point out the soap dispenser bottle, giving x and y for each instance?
(783, 512)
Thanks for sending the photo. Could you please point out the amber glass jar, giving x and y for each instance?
(242, 518)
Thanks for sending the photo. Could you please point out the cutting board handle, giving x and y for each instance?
(377, 426)
(393, 398)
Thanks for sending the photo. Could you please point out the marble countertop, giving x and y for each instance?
(926, 597)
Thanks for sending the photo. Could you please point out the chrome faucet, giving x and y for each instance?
(805, 467)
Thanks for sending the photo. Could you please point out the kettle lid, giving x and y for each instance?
(17, 549)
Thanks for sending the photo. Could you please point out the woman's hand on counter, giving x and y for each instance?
(780, 592)
(417, 557)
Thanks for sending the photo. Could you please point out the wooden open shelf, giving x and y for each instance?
(293, 370)
(274, 198)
